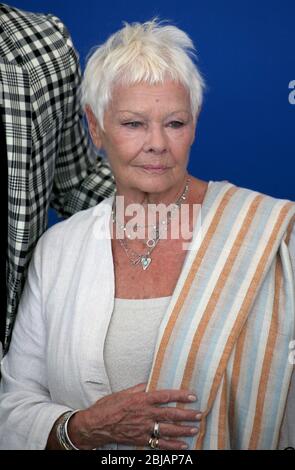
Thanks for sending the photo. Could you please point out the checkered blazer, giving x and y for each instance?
(50, 161)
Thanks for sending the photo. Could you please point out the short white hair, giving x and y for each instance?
(147, 52)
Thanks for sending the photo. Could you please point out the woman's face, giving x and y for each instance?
(149, 130)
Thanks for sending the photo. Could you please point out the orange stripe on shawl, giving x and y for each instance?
(235, 377)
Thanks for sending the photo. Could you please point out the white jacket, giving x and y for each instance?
(62, 321)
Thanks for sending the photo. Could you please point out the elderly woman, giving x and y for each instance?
(129, 337)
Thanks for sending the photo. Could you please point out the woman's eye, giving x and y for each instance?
(175, 124)
(132, 124)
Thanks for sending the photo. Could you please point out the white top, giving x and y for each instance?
(131, 340)
(59, 335)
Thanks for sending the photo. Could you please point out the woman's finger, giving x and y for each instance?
(172, 414)
(171, 444)
(167, 430)
(170, 396)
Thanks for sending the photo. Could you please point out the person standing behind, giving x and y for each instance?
(46, 157)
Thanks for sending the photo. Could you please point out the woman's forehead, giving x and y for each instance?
(143, 95)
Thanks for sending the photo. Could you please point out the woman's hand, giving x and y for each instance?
(128, 417)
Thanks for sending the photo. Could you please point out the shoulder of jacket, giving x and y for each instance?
(12, 15)
(15, 23)
(74, 229)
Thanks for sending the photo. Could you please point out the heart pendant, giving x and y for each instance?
(145, 262)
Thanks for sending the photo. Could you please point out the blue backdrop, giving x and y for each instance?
(246, 52)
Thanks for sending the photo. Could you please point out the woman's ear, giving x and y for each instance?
(93, 127)
(195, 126)
(193, 133)
(193, 136)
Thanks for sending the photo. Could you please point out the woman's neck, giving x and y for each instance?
(136, 196)
(195, 194)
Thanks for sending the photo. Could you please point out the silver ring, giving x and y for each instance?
(153, 442)
(156, 431)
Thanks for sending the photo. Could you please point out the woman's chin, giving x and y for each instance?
(153, 180)
(155, 186)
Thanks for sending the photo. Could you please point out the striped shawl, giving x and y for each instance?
(228, 327)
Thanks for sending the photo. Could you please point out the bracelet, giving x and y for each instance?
(62, 431)
(65, 427)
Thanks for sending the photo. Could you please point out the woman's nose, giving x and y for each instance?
(155, 140)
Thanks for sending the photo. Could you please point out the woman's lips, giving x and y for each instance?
(155, 168)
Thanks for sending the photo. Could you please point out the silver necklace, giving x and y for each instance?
(144, 259)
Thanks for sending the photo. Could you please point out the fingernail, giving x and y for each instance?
(184, 446)
(192, 397)
(194, 430)
(199, 416)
